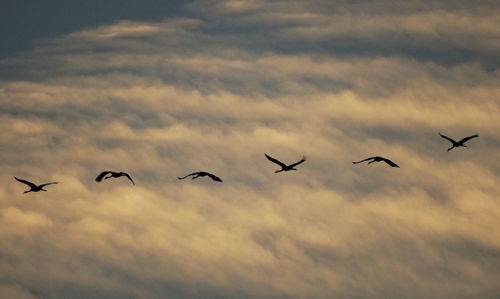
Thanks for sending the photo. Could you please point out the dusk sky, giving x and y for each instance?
(160, 89)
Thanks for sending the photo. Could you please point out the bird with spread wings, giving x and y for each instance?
(378, 159)
(33, 187)
(202, 173)
(458, 143)
(111, 174)
(285, 167)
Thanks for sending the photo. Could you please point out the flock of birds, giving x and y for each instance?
(284, 167)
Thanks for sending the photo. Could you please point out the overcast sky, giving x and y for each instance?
(163, 90)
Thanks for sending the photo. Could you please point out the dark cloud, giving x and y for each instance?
(442, 32)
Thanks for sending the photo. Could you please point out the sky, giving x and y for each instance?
(163, 90)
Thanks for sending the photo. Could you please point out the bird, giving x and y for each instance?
(111, 174)
(378, 159)
(458, 143)
(201, 173)
(284, 167)
(33, 187)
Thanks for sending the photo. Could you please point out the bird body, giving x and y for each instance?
(457, 143)
(33, 187)
(284, 167)
(111, 174)
(378, 159)
(200, 174)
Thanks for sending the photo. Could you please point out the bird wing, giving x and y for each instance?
(390, 162)
(297, 163)
(43, 185)
(468, 138)
(363, 160)
(447, 138)
(128, 176)
(214, 177)
(102, 175)
(275, 161)
(181, 178)
(27, 183)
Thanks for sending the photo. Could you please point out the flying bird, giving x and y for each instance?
(111, 174)
(378, 159)
(458, 143)
(285, 167)
(33, 187)
(202, 173)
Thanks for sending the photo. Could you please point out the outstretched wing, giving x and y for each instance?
(468, 138)
(43, 185)
(128, 176)
(363, 160)
(27, 183)
(181, 178)
(448, 138)
(275, 161)
(297, 163)
(102, 175)
(390, 162)
(214, 177)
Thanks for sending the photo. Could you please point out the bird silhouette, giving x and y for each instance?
(457, 143)
(33, 187)
(111, 174)
(284, 167)
(202, 173)
(378, 159)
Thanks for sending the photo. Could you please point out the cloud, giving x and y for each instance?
(442, 32)
(163, 99)
(14, 292)
(121, 29)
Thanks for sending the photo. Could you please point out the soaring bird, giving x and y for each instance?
(378, 159)
(33, 187)
(285, 167)
(202, 173)
(458, 143)
(111, 174)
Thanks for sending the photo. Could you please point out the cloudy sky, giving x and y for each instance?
(162, 90)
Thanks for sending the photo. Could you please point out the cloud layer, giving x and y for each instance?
(214, 91)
